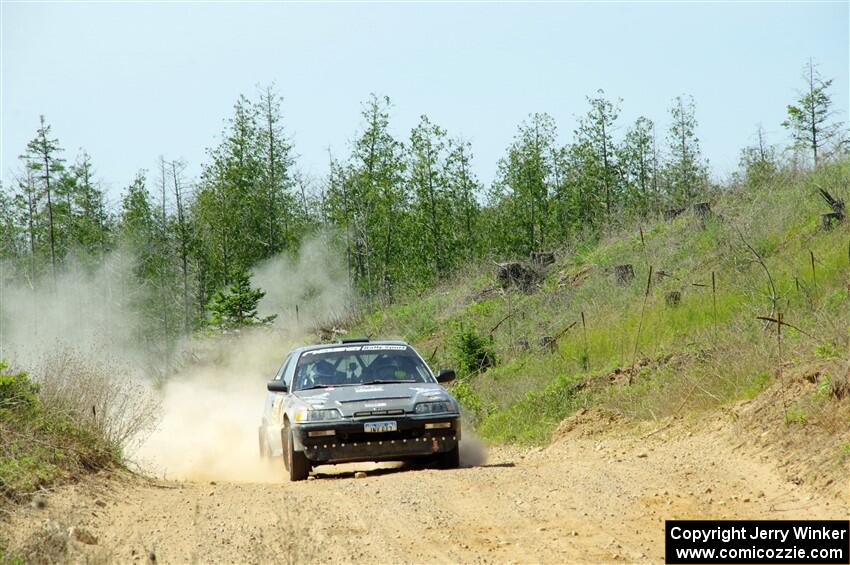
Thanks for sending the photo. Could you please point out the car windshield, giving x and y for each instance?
(359, 365)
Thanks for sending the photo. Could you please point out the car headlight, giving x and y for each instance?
(433, 407)
(304, 415)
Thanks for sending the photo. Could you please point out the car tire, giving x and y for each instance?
(450, 459)
(284, 445)
(295, 462)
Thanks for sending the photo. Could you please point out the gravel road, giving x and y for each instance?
(580, 500)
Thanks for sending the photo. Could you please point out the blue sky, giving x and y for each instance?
(129, 82)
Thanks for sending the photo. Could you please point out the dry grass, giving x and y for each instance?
(70, 418)
(47, 545)
(107, 399)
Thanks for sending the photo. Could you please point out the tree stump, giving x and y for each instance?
(828, 221)
(660, 275)
(673, 298)
(671, 213)
(542, 258)
(517, 275)
(702, 209)
(837, 205)
(624, 273)
(546, 341)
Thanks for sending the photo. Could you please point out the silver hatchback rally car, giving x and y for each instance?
(358, 400)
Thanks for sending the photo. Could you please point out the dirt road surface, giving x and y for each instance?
(583, 499)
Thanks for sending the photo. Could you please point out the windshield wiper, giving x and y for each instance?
(386, 382)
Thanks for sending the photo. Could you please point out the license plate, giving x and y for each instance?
(378, 427)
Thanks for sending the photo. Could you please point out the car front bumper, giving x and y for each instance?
(350, 443)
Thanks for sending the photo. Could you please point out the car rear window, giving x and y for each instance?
(359, 365)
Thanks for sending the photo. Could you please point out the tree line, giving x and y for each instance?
(405, 212)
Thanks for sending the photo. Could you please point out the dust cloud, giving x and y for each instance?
(473, 451)
(211, 411)
(210, 389)
(304, 291)
(212, 407)
(86, 308)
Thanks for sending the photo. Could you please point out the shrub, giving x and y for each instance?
(102, 398)
(758, 384)
(827, 350)
(467, 397)
(17, 394)
(795, 414)
(72, 417)
(472, 353)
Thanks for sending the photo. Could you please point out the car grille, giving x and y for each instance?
(378, 413)
(355, 437)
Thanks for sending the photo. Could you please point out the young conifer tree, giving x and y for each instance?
(811, 119)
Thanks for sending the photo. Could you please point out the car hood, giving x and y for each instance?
(367, 399)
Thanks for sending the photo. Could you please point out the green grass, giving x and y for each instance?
(721, 353)
(795, 414)
(757, 385)
(40, 447)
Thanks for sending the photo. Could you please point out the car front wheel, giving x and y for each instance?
(295, 461)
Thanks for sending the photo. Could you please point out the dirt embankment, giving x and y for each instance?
(599, 493)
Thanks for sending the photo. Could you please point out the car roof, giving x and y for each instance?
(302, 349)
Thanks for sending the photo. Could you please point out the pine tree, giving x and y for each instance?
(464, 188)
(368, 191)
(524, 184)
(336, 211)
(758, 162)
(428, 188)
(232, 223)
(184, 237)
(139, 229)
(26, 205)
(685, 172)
(811, 119)
(91, 225)
(236, 307)
(580, 203)
(276, 174)
(42, 158)
(9, 231)
(596, 130)
(638, 166)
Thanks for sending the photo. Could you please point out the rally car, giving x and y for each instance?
(358, 400)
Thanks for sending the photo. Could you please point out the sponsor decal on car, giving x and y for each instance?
(356, 348)
(430, 393)
(277, 409)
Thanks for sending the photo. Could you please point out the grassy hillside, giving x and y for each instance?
(636, 354)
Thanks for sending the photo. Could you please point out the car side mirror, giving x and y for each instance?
(446, 375)
(277, 386)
